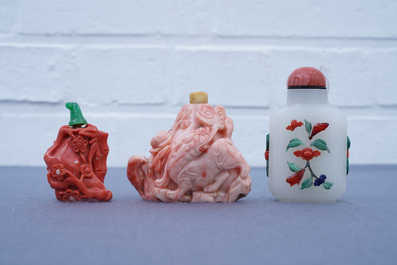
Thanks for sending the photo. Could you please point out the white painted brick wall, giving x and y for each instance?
(132, 64)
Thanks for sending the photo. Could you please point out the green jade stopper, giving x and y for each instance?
(76, 117)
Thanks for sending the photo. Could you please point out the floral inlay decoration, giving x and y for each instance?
(294, 125)
(307, 154)
(267, 155)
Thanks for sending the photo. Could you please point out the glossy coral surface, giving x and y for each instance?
(195, 161)
(306, 77)
(76, 164)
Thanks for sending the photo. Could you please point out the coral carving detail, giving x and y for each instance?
(195, 161)
(76, 164)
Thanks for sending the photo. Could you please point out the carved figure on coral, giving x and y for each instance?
(195, 161)
(76, 162)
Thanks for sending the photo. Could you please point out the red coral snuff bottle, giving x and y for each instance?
(76, 162)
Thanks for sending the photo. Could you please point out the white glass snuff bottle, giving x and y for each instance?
(307, 146)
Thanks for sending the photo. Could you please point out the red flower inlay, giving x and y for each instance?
(318, 127)
(307, 153)
(294, 124)
(267, 155)
(296, 178)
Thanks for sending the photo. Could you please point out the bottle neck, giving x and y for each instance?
(307, 96)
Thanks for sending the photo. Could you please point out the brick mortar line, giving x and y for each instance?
(194, 47)
(209, 45)
(165, 36)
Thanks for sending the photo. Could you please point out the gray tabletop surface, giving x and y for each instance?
(360, 228)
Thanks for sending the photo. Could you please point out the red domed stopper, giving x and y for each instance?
(307, 77)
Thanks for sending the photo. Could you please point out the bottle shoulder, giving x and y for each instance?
(308, 108)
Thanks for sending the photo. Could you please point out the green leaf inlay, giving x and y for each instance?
(294, 143)
(348, 143)
(267, 142)
(320, 145)
(308, 127)
(267, 168)
(307, 183)
(327, 185)
(293, 167)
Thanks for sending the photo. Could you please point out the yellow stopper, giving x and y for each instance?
(198, 98)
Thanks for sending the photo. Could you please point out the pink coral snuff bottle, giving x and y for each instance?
(195, 161)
